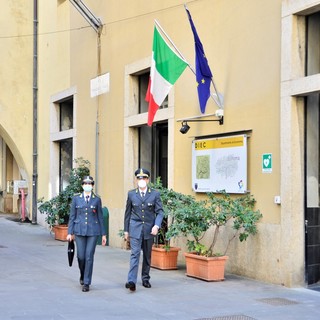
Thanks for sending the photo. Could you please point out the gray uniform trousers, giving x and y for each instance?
(86, 246)
(136, 246)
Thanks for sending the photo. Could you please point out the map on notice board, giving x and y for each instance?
(220, 164)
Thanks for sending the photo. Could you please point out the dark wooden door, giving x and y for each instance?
(313, 245)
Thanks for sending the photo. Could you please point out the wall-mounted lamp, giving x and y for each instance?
(185, 127)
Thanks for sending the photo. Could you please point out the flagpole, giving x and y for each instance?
(183, 58)
(217, 93)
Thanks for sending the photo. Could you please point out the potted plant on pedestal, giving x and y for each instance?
(206, 218)
(57, 208)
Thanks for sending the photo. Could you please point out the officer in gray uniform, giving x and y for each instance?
(86, 225)
(142, 220)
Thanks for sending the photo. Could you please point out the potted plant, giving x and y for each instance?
(165, 256)
(201, 222)
(57, 208)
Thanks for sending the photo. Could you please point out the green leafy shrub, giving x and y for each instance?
(58, 208)
(171, 201)
(194, 219)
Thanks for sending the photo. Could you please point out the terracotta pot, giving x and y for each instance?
(205, 268)
(60, 232)
(163, 259)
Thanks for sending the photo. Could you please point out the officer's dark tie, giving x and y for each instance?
(87, 199)
(142, 194)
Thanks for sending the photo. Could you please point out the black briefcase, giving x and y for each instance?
(70, 252)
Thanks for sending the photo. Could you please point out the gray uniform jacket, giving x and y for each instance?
(142, 213)
(86, 219)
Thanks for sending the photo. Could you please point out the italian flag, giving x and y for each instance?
(166, 68)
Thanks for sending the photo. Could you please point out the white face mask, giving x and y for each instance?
(87, 187)
(142, 183)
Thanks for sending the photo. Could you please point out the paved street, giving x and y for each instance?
(37, 283)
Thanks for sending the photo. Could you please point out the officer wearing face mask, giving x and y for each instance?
(86, 225)
(142, 220)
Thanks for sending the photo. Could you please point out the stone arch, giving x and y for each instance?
(18, 172)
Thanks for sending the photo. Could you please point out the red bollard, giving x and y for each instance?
(23, 207)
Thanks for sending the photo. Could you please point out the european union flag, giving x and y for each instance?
(203, 72)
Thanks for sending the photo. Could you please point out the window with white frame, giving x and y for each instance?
(62, 139)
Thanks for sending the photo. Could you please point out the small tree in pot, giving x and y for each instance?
(207, 217)
(164, 255)
(171, 202)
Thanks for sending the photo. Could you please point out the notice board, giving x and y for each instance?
(220, 164)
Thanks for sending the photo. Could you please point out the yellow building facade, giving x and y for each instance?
(84, 87)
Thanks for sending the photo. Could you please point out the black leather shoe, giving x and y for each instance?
(81, 281)
(146, 284)
(131, 286)
(85, 288)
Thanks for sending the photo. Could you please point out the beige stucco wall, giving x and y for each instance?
(249, 48)
(239, 47)
(54, 78)
(16, 95)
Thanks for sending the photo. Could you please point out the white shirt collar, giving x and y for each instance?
(86, 195)
(144, 191)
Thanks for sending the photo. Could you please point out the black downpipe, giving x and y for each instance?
(35, 113)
